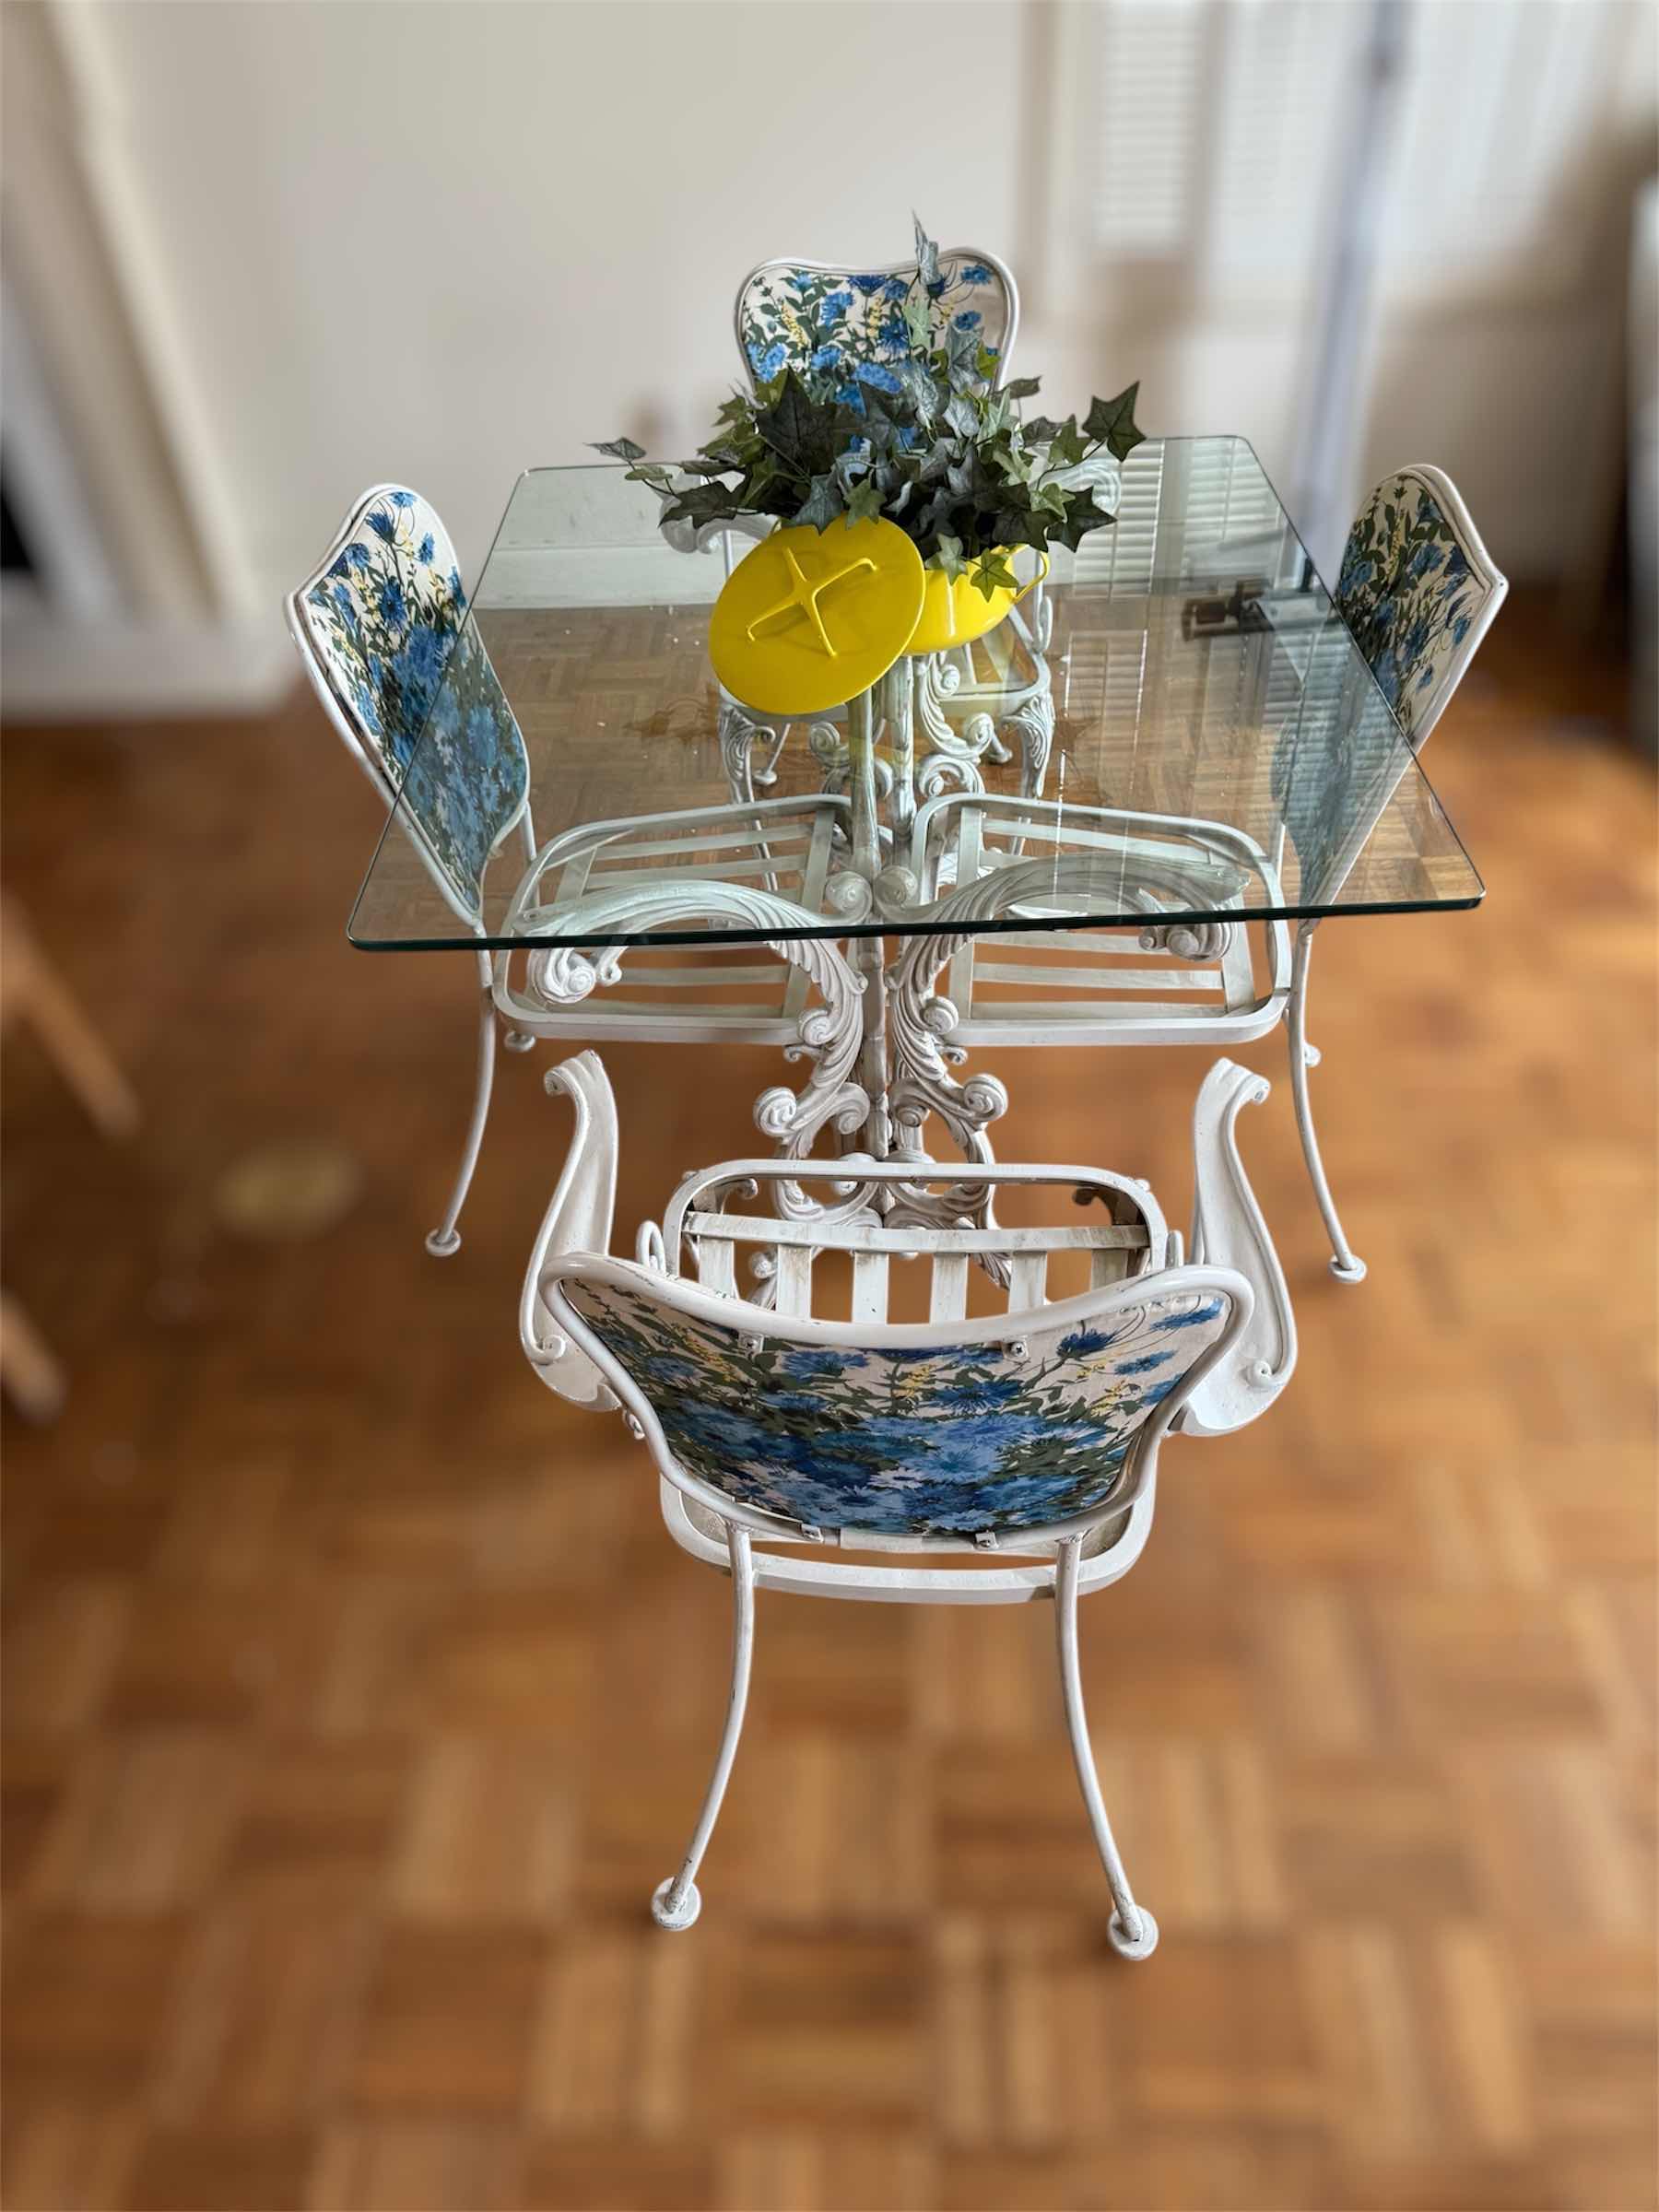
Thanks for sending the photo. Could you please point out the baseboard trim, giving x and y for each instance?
(54, 669)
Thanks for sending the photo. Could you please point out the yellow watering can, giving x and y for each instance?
(953, 612)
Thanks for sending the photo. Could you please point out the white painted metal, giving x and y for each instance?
(1132, 1932)
(1135, 1256)
(1228, 1230)
(1346, 1266)
(676, 1904)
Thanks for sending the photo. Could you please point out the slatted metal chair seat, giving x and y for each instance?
(1223, 983)
(784, 850)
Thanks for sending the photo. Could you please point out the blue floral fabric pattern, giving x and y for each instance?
(843, 329)
(939, 1442)
(1406, 591)
(387, 620)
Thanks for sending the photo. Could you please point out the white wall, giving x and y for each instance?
(442, 242)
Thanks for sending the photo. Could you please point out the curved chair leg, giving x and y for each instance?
(444, 1241)
(1344, 1265)
(675, 1903)
(1132, 1931)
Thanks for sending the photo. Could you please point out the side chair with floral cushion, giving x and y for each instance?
(842, 330)
(382, 627)
(1418, 591)
(1004, 1457)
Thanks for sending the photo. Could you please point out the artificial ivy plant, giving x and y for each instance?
(935, 445)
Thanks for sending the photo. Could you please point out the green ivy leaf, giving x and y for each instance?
(1112, 421)
(1023, 387)
(1067, 446)
(1040, 429)
(821, 506)
(865, 505)
(792, 425)
(622, 449)
(991, 573)
(655, 474)
(948, 555)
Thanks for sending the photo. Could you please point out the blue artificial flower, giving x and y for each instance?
(1416, 639)
(970, 319)
(893, 335)
(1209, 1311)
(423, 655)
(1081, 1342)
(1160, 1392)
(424, 549)
(834, 305)
(802, 280)
(481, 726)
(976, 272)
(345, 602)
(894, 288)
(866, 285)
(357, 555)
(383, 525)
(1145, 1365)
(767, 364)
(456, 593)
(403, 499)
(871, 372)
(826, 357)
(851, 397)
(340, 566)
(393, 606)
(1386, 669)
(1425, 559)
(907, 435)
(1456, 567)
(1460, 629)
(368, 708)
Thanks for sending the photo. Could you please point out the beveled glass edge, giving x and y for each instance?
(995, 926)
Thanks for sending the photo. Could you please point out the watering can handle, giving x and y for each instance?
(1035, 581)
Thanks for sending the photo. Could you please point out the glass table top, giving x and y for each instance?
(1215, 745)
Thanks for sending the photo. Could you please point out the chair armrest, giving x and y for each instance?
(578, 1219)
(1230, 1231)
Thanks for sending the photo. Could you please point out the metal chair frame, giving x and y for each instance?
(1133, 1259)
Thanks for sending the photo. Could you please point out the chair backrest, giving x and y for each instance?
(839, 327)
(949, 1430)
(1418, 591)
(381, 628)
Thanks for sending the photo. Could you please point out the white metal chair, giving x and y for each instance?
(1418, 591)
(380, 627)
(1031, 1434)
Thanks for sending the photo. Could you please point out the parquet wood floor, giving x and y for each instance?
(355, 1701)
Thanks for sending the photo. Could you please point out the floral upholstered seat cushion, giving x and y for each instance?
(950, 1442)
(1410, 593)
(388, 623)
(841, 329)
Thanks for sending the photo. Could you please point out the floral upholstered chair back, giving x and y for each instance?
(382, 629)
(839, 328)
(1418, 591)
(1013, 1425)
